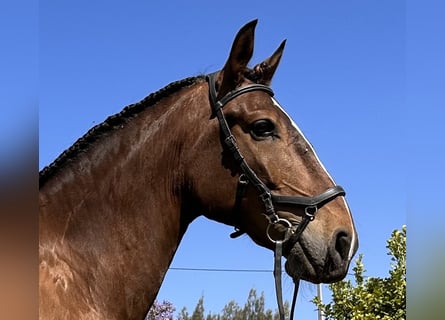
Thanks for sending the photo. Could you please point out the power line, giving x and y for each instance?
(221, 270)
(226, 270)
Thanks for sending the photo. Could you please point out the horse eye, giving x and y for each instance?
(262, 129)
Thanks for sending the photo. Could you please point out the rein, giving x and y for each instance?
(247, 176)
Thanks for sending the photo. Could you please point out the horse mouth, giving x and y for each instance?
(306, 264)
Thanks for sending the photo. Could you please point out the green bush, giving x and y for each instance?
(372, 297)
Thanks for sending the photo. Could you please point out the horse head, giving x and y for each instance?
(287, 185)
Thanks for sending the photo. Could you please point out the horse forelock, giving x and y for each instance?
(112, 122)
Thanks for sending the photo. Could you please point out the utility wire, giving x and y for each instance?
(221, 270)
(226, 270)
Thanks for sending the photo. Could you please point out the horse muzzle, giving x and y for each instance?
(316, 260)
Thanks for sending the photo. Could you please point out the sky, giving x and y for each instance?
(343, 79)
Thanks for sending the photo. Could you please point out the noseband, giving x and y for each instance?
(270, 201)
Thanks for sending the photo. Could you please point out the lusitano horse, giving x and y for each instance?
(115, 205)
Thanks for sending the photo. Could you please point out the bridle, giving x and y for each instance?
(247, 176)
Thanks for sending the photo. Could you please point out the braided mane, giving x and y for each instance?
(112, 122)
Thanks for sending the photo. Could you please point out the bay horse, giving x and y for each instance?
(115, 205)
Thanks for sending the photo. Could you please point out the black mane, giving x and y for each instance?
(112, 122)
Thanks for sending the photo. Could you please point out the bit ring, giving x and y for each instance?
(287, 234)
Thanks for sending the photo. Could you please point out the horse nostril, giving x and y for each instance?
(343, 244)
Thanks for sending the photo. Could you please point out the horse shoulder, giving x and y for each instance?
(59, 290)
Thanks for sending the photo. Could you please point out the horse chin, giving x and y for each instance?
(304, 265)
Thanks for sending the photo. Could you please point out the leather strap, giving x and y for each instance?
(218, 104)
(316, 201)
(278, 253)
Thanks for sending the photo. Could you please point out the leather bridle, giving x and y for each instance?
(270, 201)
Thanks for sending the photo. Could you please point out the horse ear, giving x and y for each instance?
(265, 70)
(242, 49)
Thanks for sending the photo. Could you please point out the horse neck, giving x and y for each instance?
(113, 217)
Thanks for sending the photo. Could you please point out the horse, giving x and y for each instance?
(114, 206)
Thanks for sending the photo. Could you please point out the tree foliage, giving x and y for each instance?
(372, 297)
(253, 309)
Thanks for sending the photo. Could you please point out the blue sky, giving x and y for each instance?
(342, 78)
